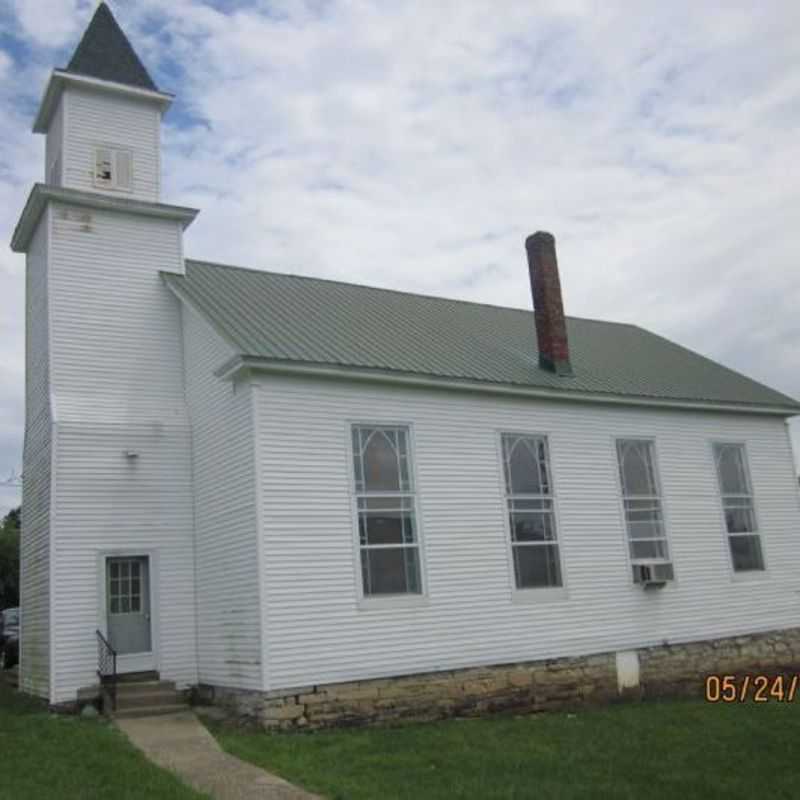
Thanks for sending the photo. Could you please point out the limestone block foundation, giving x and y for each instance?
(560, 683)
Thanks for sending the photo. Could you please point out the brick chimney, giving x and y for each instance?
(551, 328)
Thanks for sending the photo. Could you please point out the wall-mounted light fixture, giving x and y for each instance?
(131, 454)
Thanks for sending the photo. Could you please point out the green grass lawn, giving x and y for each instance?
(683, 750)
(60, 758)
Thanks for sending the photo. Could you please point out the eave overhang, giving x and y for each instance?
(42, 194)
(240, 366)
(60, 79)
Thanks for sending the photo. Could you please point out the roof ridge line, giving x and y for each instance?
(220, 265)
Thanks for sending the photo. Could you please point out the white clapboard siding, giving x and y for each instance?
(117, 385)
(96, 118)
(316, 631)
(35, 541)
(54, 147)
(116, 327)
(105, 501)
(223, 456)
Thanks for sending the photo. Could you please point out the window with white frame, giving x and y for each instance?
(532, 521)
(641, 497)
(113, 168)
(385, 507)
(737, 505)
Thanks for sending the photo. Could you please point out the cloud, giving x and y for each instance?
(5, 65)
(50, 23)
(415, 146)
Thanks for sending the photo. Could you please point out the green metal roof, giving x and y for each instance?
(300, 320)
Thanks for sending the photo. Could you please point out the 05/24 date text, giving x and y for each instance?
(756, 688)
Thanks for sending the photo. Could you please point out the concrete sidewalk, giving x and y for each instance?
(180, 743)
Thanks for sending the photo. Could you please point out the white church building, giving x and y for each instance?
(318, 501)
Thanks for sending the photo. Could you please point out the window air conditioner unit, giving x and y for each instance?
(652, 573)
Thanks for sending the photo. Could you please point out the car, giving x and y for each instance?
(9, 638)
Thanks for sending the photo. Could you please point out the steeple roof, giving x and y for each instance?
(104, 52)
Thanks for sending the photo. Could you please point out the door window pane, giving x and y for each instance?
(125, 591)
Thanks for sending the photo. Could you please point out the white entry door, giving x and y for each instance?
(128, 605)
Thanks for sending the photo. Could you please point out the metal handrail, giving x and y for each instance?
(107, 667)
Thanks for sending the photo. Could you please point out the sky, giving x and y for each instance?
(414, 146)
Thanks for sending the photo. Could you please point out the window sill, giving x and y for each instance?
(392, 601)
(534, 596)
(108, 187)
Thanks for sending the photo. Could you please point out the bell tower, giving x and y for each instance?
(107, 456)
(102, 117)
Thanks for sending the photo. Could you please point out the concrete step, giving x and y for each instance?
(142, 700)
(150, 711)
(137, 677)
(144, 687)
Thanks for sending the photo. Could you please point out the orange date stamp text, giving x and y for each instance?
(754, 688)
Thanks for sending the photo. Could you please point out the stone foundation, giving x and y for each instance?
(561, 683)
